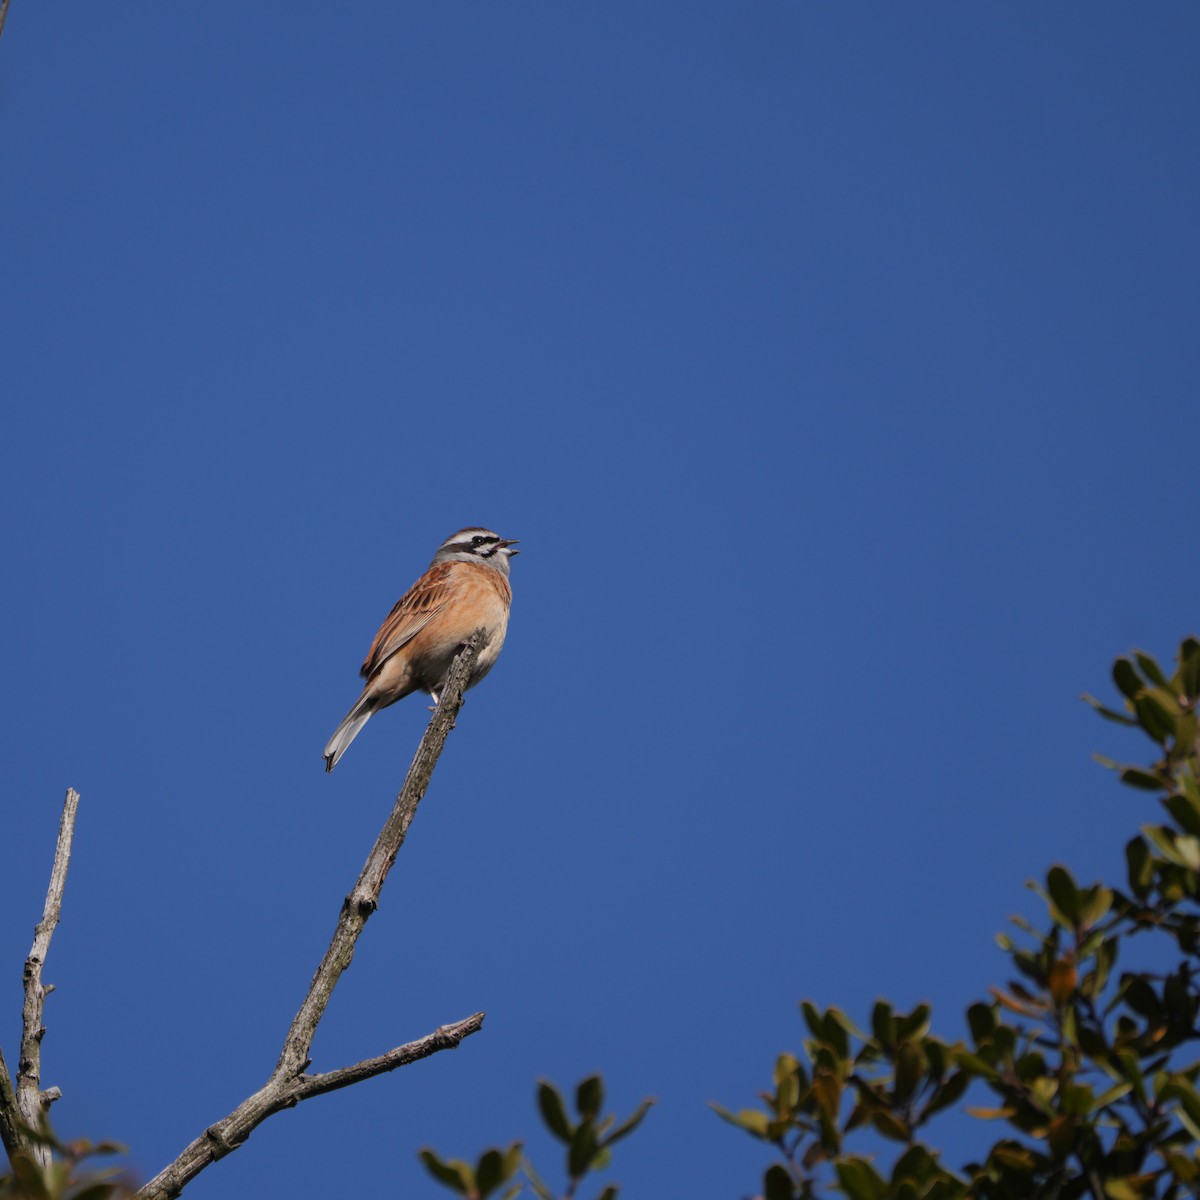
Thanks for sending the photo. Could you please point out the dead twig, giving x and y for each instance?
(24, 1107)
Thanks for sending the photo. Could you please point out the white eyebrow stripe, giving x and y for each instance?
(465, 535)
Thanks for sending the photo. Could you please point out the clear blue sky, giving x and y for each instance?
(836, 367)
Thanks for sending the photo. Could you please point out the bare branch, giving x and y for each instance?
(10, 1120)
(281, 1092)
(26, 1106)
(3, 14)
(288, 1084)
(445, 1037)
(364, 899)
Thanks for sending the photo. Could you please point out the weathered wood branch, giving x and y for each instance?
(10, 1121)
(288, 1084)
(24, 1107)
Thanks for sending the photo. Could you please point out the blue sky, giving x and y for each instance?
(836, 367)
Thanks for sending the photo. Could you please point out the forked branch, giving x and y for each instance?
(288, 1083)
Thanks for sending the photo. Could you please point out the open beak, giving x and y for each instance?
(506, 542)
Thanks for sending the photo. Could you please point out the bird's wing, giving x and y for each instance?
(414, 610)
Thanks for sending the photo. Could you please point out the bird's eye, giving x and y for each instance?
(477, 540)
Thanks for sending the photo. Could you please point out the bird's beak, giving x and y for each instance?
(506, 542)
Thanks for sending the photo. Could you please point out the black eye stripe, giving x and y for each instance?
(475, 546)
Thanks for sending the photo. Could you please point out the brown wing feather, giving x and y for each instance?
(413, 611)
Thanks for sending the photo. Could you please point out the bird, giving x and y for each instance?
(465, 588)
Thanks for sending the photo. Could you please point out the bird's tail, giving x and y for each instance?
(347, 731)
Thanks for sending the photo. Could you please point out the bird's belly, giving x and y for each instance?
(431, 671)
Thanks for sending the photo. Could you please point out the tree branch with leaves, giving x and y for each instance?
(1093, 1072)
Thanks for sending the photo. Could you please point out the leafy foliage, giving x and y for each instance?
(587, 1142)
(1091, 1070)
(63, 1178)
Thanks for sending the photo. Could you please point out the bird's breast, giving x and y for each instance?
(480, 599)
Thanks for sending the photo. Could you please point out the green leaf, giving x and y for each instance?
(812, 1018)
(937, 1055)
(787, 1066)
(1164, 841)
(915, 1163)
(609, 1193)
(1141, 997)
(1186, 778)
(1062, 890)
(910, 1066)
(749, 1119)
(982, 1021)
(1188, 675)
(1193, 1127)
(455, 1174)
(1186, 852)
(859, 1180)
(1013, 1156)
(890, 1125)
(535, 1182)
(883, 1023)
(1186, 730)
(1133, 1073)
(1111, 1096)
(1186, 814)
(787, 1091)
(554, 1111)
(589, 1097)
(512, 1159)
(1107, 713)
(581, 1154)
(1157, 723)
(496, 1167)
(836, 1028)
(847, 1025)
(103, 1190)
(487, 1172)
(1096, 903)
(1104, 956)
(1141, 867)
(1165, 703)
(1146, 780)
(975, 1065)
(916, 1023)
(631, 1123)
(947, 1093)
(777, 1184)
(1126, 678)
(1122, 1189)
(1077, 1100)
(1186, 1169)
(1150, 667)
(1182, 1090)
